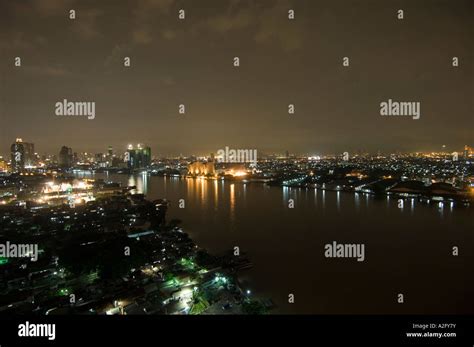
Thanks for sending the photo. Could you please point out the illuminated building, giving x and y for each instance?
(22, 154)
(234, 169)
(139, 157)
(467, 151)
(109, 157)
(3, 165)
(202, 168)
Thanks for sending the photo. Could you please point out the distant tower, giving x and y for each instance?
(18, 155)
(22, 154)
(466, 151)
(65, 157)
(140, 157)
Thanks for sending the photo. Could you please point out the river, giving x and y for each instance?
(407, 250)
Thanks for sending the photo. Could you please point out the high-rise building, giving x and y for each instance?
(110, 157)
(65, 157)
(3, 165)
(22, 154)
(466, 151)
(139, 157)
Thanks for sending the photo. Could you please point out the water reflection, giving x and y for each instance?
(131, 182)
(286, 195)
(189, 187)
(144, 183)
(199, 191)
(216, 195)
(202, 190)
(232, 203)
(293, 244)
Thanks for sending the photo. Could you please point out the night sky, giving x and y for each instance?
(282, 62)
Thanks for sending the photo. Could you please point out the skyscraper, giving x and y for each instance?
(22, 154)
(466, 152)
(139, 157)
(65, 157)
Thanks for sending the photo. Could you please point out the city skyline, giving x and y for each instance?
(120, 151)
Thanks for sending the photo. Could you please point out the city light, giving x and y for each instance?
(239, 174)
(160, 205)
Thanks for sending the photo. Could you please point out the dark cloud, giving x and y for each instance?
(282, 62)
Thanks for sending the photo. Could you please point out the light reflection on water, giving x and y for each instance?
(286, 245)
(210, 192)
(232, 204)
